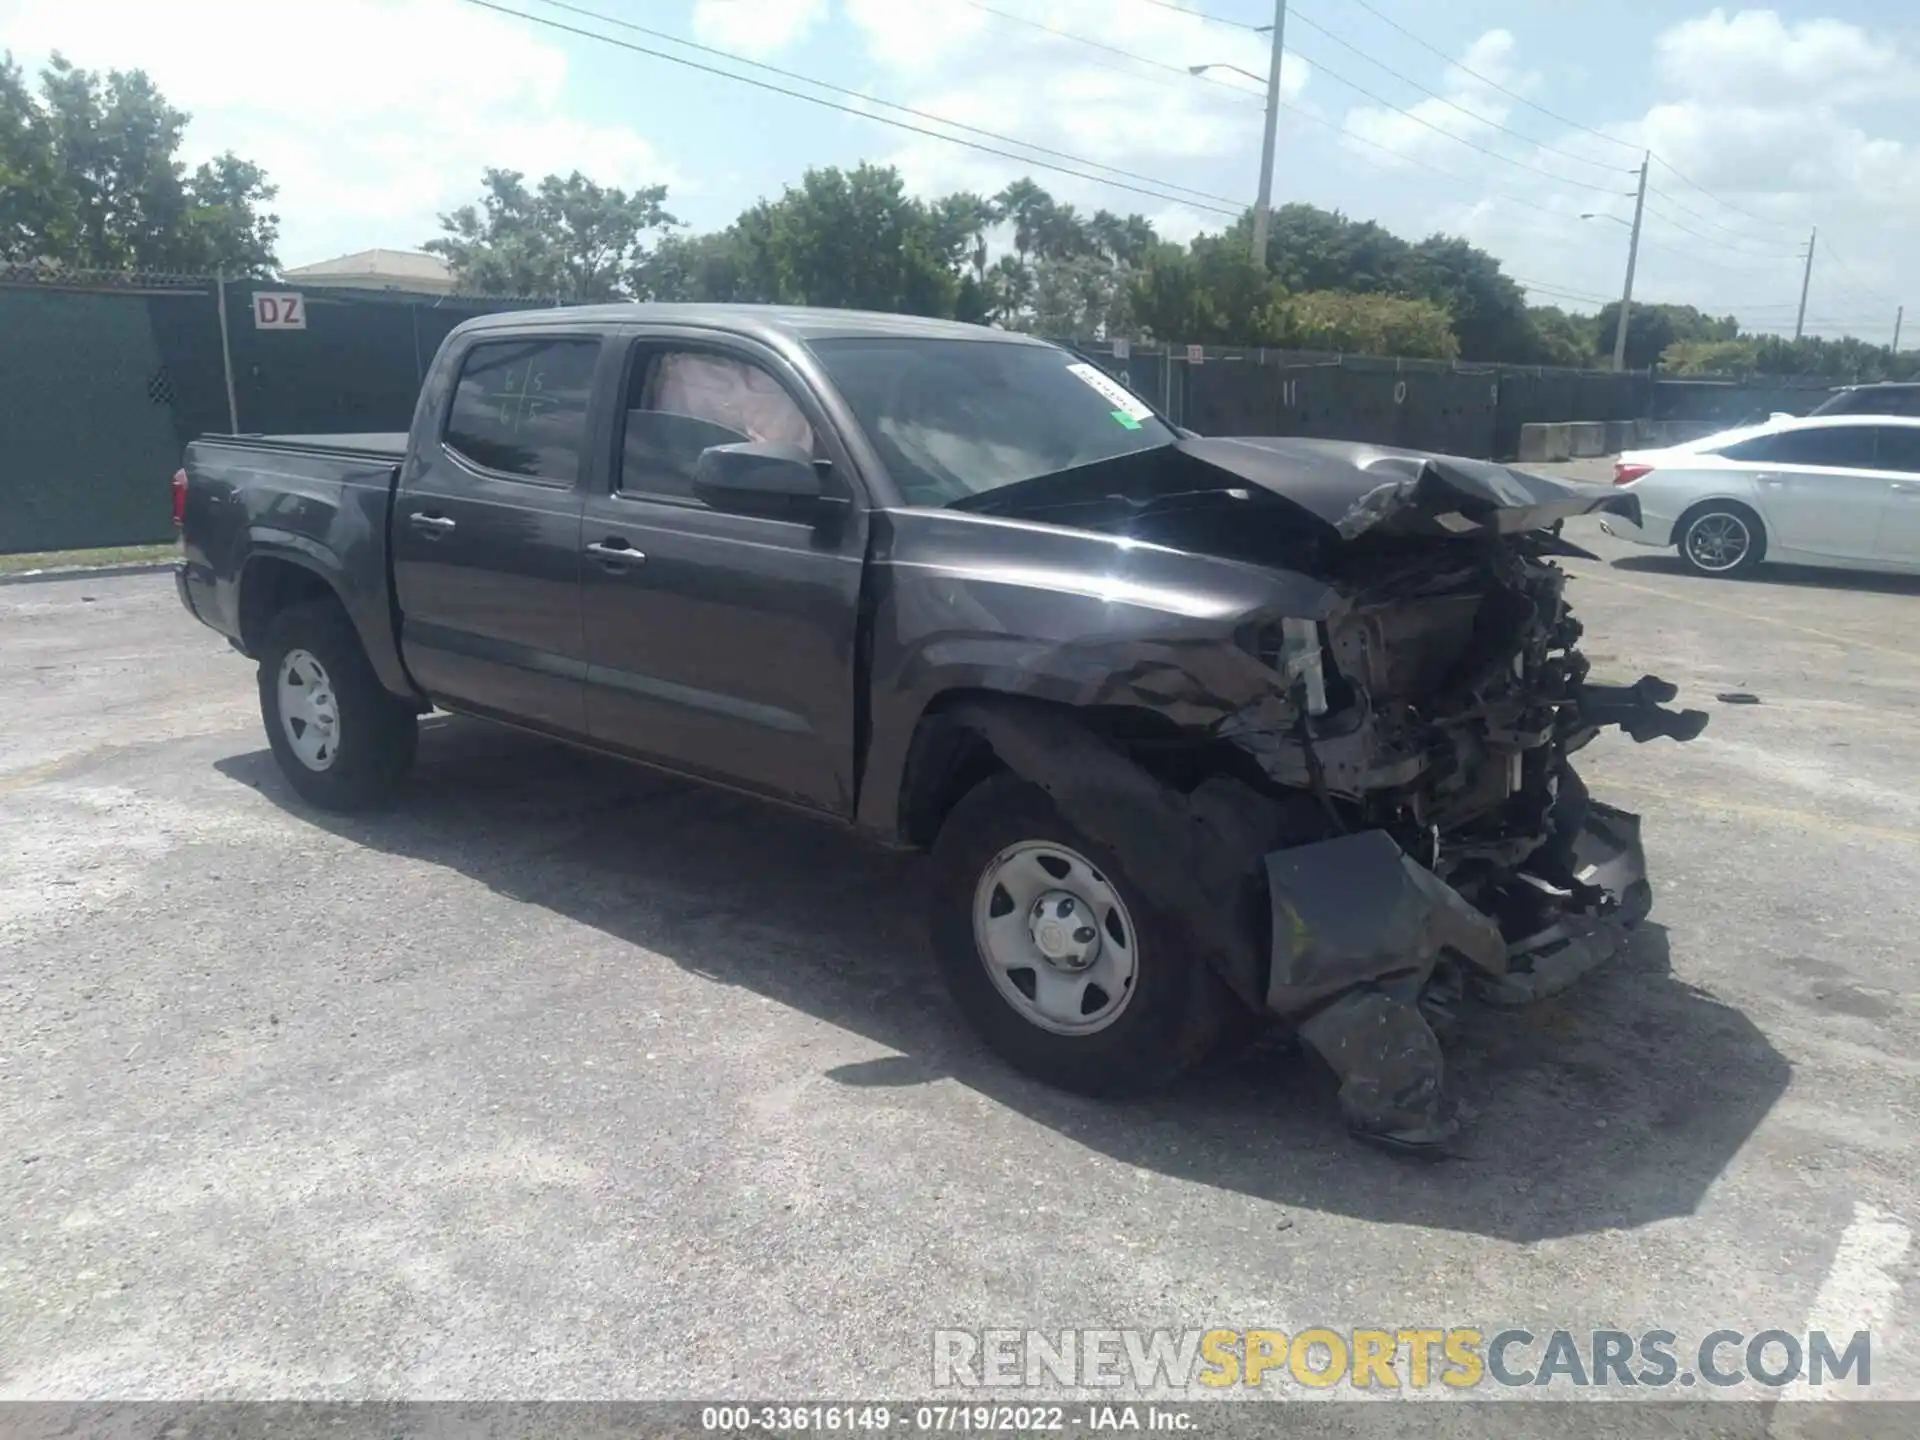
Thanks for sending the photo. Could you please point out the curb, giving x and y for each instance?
(80, 572)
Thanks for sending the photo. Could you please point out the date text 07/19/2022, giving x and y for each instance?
(947, 1419)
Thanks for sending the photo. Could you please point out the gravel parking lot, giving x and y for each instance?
(566, 1080)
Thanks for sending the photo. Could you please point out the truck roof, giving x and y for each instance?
(765, 322)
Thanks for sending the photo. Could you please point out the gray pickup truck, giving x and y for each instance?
(1201, 733)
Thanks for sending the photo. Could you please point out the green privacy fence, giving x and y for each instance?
(104, 379)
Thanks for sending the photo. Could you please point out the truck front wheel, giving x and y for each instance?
(341, 740)
(1055, 958)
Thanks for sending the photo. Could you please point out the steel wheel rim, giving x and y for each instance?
(1718, 541)
(309, 713)
(1082, 986)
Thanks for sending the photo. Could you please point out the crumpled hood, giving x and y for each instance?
(1356, 487)
(1348, 488)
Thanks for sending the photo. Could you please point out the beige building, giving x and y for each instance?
(377, 270)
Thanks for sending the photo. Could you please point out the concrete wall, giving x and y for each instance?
(1586, 439)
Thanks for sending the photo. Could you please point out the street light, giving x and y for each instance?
(1223, 65)
(1263, 206)
(1595, 215)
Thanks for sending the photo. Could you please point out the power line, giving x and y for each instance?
(1203, 15)
(1672, 170)
(1393, 24)
(1313, 24)
(1847, 269)
(1666, 219)
(1159, 194)
(1703, 219)
(1546, 289)
(1337, 77)
(1179, 70)
(875, 100)
(1667, 165)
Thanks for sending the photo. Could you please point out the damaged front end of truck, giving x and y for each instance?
(1411, 829)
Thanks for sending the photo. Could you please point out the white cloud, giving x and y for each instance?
(1104, 82)
(1754, 54)
(369, 114)
(755, 27)
(1470, 107)
(1784, 125)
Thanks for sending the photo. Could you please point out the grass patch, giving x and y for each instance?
(87, 559)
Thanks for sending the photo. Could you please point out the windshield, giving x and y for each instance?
(1872, 400)
(953, 418)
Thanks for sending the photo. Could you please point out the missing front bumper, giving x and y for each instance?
(1359, 930)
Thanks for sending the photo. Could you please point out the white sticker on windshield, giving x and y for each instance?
(1123, 400)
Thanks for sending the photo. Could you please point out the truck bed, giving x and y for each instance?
(300, 510)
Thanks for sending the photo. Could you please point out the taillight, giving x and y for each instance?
(179, 498)
(1625, 474)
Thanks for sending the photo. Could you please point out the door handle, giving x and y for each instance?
(1772, 482)
(1906, 487)
(615, 552)
(424, 521)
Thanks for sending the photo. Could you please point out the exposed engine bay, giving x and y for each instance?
(1415, 823)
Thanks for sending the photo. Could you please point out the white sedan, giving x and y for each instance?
(1840, 491)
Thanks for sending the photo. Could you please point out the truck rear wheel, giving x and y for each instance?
(1053, 955)
(341, 740)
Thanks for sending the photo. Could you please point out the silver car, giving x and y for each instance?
(1841, 491)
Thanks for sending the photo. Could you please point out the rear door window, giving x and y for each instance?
(1842, 447)
(1900, 449)
(520, 407)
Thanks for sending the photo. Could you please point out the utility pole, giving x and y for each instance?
(1633, 255)
(1806, 280)
(1263, 206)
(1898, 315)
(226, 352)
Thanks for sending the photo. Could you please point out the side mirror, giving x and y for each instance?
(755, 474)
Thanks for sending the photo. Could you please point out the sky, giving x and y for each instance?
(1505, 121)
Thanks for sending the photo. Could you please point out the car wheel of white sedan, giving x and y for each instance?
(1721, 539)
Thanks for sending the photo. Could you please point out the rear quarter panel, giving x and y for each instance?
(1683, 481)
(325, 512)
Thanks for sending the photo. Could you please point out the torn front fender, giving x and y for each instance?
(1357, 909)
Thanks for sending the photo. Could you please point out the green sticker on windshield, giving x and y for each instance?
(1125, 419)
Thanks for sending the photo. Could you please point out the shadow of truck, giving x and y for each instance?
(1614, 1105)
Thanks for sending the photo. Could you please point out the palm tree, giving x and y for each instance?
(1029, 208)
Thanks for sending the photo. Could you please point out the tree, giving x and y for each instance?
(568, 237)
(694, 267)
(961, 221)
(1210, 293)
(1709, 357)
(1649, 333)
(1313, 249)
(1366, 325)
(1488, 308)
(853, 239)
(1560, 338)
(26, 168)
(90, 177)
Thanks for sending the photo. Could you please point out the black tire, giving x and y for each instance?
(1179, 1013)
(1695, 524)
(376, 733)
